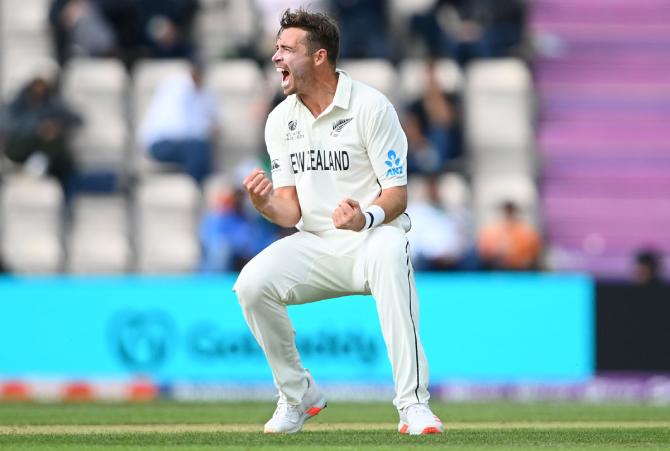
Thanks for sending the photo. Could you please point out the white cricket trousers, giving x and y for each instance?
(307, 267)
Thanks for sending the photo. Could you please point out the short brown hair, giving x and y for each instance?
(322, 32)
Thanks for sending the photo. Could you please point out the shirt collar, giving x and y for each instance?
(342, 93)
(343, 90)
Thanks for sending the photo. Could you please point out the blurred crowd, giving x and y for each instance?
(132, 29)
(179, 127)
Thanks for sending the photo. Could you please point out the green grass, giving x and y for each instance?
(209, 426)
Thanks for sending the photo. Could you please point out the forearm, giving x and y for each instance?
(349, 216)
(282, 211)
(280, 205)
(393, 201)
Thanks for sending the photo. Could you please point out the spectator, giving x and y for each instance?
(502, 27)
(438, 240)
(648, 268)
(79, 28)
(428, 25)
(126, 29)
(231, 232)
(468, 29)
(432, 126)
(167, 27)
(364, 28)
(180, 124)
(37, 128)
(509, 243)
(96, 28)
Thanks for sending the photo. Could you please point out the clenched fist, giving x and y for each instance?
(259, 187)
(349, 216)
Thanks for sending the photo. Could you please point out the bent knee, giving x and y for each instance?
(251, 286)
(255, 284)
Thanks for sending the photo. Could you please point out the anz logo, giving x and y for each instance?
(393, 163)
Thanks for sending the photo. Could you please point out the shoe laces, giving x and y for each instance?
(419, 412)
(284, 408)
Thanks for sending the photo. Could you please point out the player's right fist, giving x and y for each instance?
(259, 187)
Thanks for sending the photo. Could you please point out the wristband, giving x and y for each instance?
(374, 216)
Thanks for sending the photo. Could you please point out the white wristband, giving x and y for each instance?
(374, 216)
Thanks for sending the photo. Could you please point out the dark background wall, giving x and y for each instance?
(632, 328)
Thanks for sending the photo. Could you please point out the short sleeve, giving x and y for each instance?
(387, 147)
(282, 172)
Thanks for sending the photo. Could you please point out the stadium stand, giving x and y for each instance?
(602, 79)
(96, 88)
(412, 74)
(378, 73)
(455, 190)
(24, 41)
(490, 191)
(153, 222)
(147, 75)
(240, 89)
(226, 28)
(98, 240)
(166, 211)
(32, 224)
(498, 102)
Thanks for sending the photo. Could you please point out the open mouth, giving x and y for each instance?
(284, 76)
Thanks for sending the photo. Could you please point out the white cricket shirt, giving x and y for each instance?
(355, 148)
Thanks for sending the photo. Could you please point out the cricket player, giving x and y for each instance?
(339, 175)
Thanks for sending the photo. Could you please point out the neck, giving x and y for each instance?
(320, 93)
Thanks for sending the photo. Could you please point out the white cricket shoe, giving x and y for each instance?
(288, 418)
(417, 419)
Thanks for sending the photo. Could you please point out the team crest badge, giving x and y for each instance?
(339, 125)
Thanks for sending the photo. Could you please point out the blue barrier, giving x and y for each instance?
(475, 327)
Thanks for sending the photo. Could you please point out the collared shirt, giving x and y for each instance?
(179, 110)
(354, 148)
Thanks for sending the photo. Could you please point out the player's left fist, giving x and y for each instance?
(349, 216)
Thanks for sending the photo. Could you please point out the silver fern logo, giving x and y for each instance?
(339, 125)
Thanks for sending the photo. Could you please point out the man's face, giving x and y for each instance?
(293, 61)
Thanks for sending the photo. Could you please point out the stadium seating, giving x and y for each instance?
(378, 73)
(24, 43)
(224, 26)
(166, 214)
(412, 73)
(159, 235)
(31, 212)
(455, 191)
(96, 88)
(499, 121)
(490, 191)
(603, 135)
(499, 117)
(98, 239)
(147, 76)
(241, 93)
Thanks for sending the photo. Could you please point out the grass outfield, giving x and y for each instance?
(191, 426)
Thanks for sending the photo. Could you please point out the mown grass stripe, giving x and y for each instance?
(67, 429)
(467, 439)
